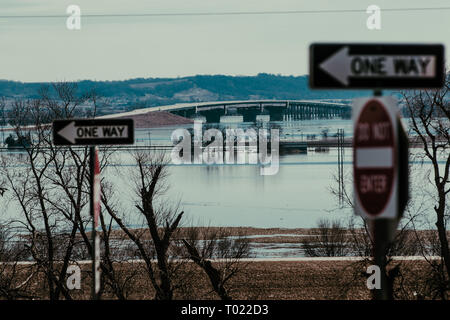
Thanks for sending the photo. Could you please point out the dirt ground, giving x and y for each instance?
(267, 280)
(260, 280)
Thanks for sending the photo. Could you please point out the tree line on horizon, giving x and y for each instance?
(147, 92)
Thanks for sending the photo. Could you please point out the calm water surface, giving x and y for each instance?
(237, 195)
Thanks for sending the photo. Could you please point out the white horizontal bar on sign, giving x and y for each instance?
(374, 158)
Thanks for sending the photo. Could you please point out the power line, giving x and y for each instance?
(230, 13)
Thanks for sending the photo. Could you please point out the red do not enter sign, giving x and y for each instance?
(374, 158)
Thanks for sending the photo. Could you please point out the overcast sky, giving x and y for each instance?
(116, 48)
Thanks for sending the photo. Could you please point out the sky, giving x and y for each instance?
(34, 49)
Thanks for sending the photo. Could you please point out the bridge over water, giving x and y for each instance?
(278, 110)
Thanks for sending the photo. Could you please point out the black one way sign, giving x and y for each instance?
(376, 66)
(93, 131)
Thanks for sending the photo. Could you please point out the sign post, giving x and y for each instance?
(380, 158)
(380, 143)
(94, 132)
(95, 214)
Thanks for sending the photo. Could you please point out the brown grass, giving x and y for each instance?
(268, 280)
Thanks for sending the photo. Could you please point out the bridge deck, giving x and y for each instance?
(238, 103)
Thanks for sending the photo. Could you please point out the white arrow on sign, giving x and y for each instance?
(72, 132)
(341, 66)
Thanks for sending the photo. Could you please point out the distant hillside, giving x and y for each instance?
(139, 93)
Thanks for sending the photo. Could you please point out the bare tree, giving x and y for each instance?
(32, 190)
(429, 112)
(160, 221)
(218, 254)
(15, 279)
(52, 189)
(329, 239)
(118, 272)
(52, 185)
(360, 243)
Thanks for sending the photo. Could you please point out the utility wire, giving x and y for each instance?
(230, 13)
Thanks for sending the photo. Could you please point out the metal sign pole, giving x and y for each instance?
(378, 230)
(379, 246)
(91, 208)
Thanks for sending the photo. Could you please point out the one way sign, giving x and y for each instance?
(93, 131)
(376, 66)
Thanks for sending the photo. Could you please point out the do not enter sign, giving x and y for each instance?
(375, 158)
